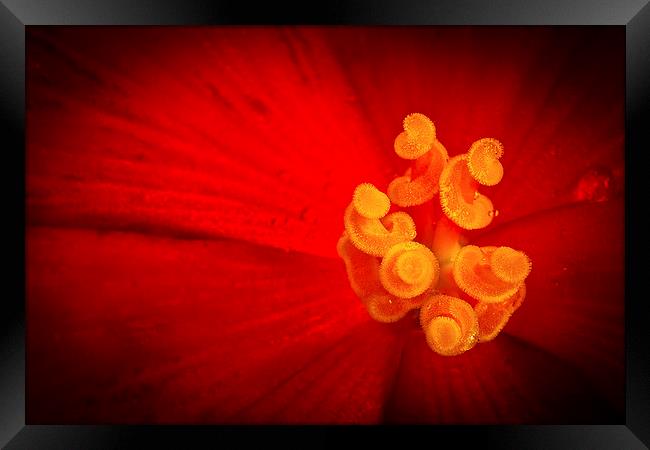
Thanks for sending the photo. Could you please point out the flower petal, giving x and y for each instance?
(200, 132)
(504, 381)
(574, 304)
(126, 328)
(347, 384)
(544, 94)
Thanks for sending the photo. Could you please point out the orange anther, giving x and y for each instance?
(459, 198)
(370, 202)
(483, 161)
(411, 190)
(450, 325)
(408, 269)
(473, 274)
(493, 317)
(376, 236)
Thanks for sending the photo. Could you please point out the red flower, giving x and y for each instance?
(185, 189)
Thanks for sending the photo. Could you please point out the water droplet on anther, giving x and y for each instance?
(496, 212)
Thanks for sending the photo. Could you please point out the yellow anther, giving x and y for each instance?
(458, 196)
(370, 202)
(376, 236)
(474, 276)
(493, 317)
(416, 188)
(510, 265)
(483, 161)
(386, 308)
(450, 325)
(406, 149)
(420, 131)
(408, 269)
(445, 333)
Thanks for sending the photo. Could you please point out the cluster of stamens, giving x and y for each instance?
(465, 294)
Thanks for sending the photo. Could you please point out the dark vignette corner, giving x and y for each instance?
(12, 315)
(636, 241)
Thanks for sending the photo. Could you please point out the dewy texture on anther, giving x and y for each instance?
(465, 294)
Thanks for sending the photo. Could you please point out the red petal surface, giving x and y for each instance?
(196, 132)
(574, 305)
(546, 94)
(126, 329)
(502, 381)
(262, 133)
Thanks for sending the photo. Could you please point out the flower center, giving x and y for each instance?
(465, 293)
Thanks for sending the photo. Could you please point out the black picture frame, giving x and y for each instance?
(16, 15)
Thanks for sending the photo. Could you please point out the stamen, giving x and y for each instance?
(407, 149)
(459, 199)
(376, 236)
(450, 325)
(408, 269)
(392, 274)
(370, 202)
(493, 317)
(420, 131)
(415, 190)
(386, 308)
(483, 161)
(362, 268)
(363, 274)
(510, 265)
(473, 274)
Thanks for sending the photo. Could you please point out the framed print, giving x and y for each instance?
(226, 217)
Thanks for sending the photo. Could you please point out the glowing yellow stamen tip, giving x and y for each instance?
(386, 308)
(450, 325)
(493, 317)
(370, 202)
(412, 268)
(420, 131)
(408, 191)
(408, 269)
(376, 236)
(510, 265)
(459, 199)
(446, 331)
(472, 273)
(406, 149)
(483, 161)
